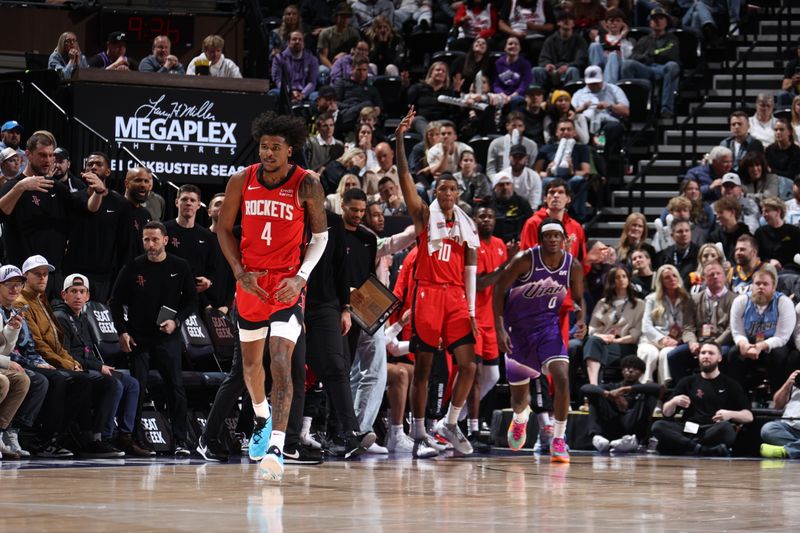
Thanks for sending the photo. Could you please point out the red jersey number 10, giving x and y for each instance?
(444, 252)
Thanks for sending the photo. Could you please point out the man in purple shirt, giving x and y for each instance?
(343, 66)
(298, 67)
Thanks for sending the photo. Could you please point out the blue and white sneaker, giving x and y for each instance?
(271, 466)
(260, 439)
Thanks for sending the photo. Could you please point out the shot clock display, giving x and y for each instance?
(140, 29)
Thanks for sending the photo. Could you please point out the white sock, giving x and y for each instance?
(522, 418)
(261, 409)
(418, 428)
(452, 414)
(396, 430)
(306, 425)
(276, 439)
(559, 429)
(473, 425)
(544, 419)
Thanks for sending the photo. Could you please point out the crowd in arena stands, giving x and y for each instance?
(704, 303)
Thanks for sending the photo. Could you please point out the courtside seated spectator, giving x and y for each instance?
(615, 326)
(782, 437)
(712, 402)
(113, 57)
(214, 60)
(67, 57)
(668, 324)
(762, 325)
(49, 340)
(78, 341)
(9, 164)
(620, 413)
(657, 57)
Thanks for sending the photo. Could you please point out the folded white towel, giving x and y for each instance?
(462, 230)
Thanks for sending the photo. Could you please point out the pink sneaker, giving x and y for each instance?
(517, 435)
(558, 451)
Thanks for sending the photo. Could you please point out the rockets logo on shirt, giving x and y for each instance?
(269, 208)
(140, 280)
(176, 242)
(35, 199)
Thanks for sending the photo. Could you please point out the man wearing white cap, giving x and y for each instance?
(603, 105)
(10, 162)
(732, 188)
(49, 343)
(78, 341)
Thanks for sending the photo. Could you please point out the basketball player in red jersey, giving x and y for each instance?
(443, 311)
(278, 201)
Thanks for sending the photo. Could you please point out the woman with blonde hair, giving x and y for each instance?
(424, 97)
(417, 162)
(386, 46)
(634, 235)
(707, 253)
(279, 37)
(667, 325)
(334, 201)
(67, 56)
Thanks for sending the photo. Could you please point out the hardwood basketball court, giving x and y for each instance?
(500, 492)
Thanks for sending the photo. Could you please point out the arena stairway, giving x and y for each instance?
(764, 73)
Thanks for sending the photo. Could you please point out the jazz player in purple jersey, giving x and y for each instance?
(527, 301)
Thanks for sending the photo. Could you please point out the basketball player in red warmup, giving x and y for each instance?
(278, 201)
(444, 300)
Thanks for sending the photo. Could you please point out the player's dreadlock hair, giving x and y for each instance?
(292, 129)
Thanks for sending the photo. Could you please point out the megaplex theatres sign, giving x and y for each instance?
(195, 136)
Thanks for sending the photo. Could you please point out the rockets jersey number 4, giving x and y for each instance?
(535, 299)
(273, 228)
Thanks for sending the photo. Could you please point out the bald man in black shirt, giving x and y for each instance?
(159, 290)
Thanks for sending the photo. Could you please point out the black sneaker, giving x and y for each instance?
(356, 444)
(213, 450)
(100, 449)
(127, 444)
(477, 444)
(300, 454)
(182, 449)
(720, 450)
